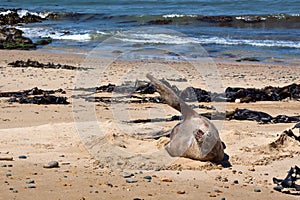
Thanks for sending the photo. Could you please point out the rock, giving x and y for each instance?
(148, 177)
(257, 190)
(44, 41)
(22, 157)
(31, 186)
(159, 22)
(251, 59)
(181, 192)
(127, 175)
(8, 174)
(212, 195)
(29, 181)
(252, 169)
(166, 180)
(131, 181)
(15, 191)
(236, 182)
(52, 164)
(7, 158)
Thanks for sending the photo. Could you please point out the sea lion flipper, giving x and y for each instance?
(169, 96)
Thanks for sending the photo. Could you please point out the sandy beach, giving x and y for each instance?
(45, 133)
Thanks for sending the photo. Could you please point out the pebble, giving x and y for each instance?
(128, 175)
(181, 192)
(4, 165)
(7, 158)
(22, 157)
(8, 174)
(236, 182)
(217, 190)
(257, 190)
(252, 169)
(52, 164)
(223, 198)
(131, 180)
(31, 186)
(148, 177)
(15, 191)
(212, 195)
(166, 180)
(29, 181)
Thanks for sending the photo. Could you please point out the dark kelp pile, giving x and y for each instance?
(189, 94)
(36, 64)
(288, 184)
(237, 114)
(261, 117)
(36, 96)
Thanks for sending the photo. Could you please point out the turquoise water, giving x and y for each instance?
(268, 30)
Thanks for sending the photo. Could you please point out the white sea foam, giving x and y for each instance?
(177, 15)
(23, 13)
(75, 37)
(5, 12)
(171, 39)
(37, 32)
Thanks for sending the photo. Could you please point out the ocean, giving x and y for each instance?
(268, 31)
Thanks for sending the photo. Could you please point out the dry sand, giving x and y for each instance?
(49, 132)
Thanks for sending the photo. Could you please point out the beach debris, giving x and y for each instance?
(180, 192)
(148, 177)
(22, 157)
(37, 64)
(127, 175)
(159, 22)
(261, 117)
(291, 134)
(6, 158)
(45, 99)
(251, 59)
(36, 96)
(297, 126)
(166, 180)
(237, 114)
(29, 181)
(195, 136)
(288, 184)
(52, 164)
(131, 180)
(190, 94)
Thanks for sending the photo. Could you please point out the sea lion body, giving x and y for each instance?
(195, 136)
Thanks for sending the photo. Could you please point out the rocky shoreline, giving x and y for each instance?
(12, 37)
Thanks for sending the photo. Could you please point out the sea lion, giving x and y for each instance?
(195, 136)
